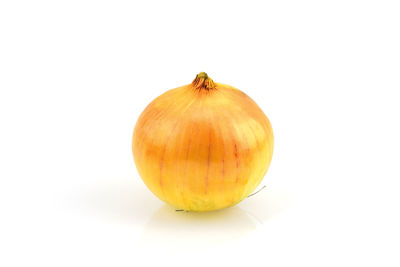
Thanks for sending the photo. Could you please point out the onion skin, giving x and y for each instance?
(202, 147)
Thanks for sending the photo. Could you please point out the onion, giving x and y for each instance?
(204, 146)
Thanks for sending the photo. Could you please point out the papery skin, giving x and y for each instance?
(202, 147)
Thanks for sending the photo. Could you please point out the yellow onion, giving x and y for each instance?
(203, 146)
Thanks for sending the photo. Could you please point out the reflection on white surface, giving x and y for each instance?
(156, 225)
(170, 227)
(268, 203)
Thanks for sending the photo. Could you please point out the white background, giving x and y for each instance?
(75, 75)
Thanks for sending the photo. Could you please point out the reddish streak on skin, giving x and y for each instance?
(186, 166)
(223, 166)
(237, 163)
(223, 163)
(162, 163)
(208, 160)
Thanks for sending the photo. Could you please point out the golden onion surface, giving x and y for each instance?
(204, 146)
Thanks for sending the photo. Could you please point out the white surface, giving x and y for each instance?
(75, 75)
